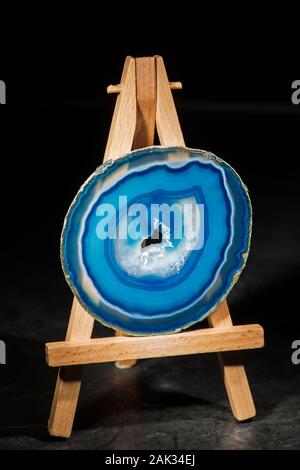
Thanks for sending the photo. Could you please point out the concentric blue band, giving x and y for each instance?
(112, 279)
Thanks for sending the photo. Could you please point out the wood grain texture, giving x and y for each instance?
(190, 342)
(235, 378)
(80, 326)
(118, 88)
(167, 123)
(123, 123)
(69, 379)
(145, 69)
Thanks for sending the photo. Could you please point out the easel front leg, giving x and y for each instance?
(81, 323)
(69, 378)
(235, 378)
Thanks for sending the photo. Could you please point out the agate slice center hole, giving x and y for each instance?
(155, 238)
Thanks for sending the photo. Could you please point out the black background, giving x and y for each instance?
(235, 102)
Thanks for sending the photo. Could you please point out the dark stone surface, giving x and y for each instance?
(169, 403)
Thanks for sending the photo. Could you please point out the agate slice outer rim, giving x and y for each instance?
(135, 327)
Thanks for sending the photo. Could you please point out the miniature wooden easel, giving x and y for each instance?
(144, 100)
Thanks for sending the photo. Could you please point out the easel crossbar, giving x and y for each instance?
(208, 340)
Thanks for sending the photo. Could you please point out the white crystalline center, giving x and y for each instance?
(161, 259)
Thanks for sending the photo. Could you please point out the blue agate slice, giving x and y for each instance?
(155, 240)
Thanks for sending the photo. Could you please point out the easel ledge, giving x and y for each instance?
(208, 340)
(145, 100)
